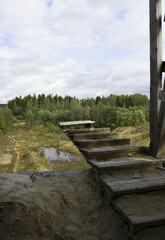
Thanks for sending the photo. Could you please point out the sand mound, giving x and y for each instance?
(56, 207)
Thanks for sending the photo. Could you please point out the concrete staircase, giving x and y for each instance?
(133, 181)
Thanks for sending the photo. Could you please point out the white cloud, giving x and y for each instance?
(81, 48)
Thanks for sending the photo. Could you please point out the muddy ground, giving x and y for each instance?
(68, 206)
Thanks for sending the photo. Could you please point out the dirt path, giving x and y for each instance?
(58, 207)
(16, 163)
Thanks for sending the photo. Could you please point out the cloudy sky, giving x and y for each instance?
(81, 48)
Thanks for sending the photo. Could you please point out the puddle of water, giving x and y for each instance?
(9, 149)
(53, 155)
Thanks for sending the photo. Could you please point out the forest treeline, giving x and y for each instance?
(112, 111)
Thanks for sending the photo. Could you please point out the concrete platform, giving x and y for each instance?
(94, 136)
(111, 152)
(94, 143)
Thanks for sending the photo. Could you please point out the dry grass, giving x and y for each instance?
(5, 159)
(25, 145)
(139, 135)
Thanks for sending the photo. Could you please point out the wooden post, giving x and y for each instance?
(160, 142)
(155, 70)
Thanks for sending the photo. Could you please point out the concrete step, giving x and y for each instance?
(140, 185)
(142, 211)
(106, 153)
(88, 130)
(126, 166)
(93, 136)
(94, 143)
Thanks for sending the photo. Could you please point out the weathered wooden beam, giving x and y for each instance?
(155, 69)
(87, 123)
(162, 96)
(84, 122)
(160, 141)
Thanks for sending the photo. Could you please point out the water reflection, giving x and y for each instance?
(53, 154)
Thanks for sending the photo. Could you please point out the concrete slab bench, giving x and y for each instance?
(86, 123)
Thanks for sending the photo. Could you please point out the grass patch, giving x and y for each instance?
(26, 143)
(139, 136)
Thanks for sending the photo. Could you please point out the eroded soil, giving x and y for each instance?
(67, 207)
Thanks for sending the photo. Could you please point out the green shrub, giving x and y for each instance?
(2, 122)
(9, 119)
(42, 152)
(29, 120)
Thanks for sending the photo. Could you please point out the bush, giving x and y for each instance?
(29, 120)
(2, 122)
(9, 119)
(1, 133)
(42, 152)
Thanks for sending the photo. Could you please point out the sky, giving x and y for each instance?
(82, 48)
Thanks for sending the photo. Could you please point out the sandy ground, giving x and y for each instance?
(68, 206)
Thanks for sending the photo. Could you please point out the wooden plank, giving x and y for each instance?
(161, 134)
(94, 135)
(155, 68)
(86, 123)
(94, 143)
(124, 168)
(150, 222)
(142, 211)
(112, 151)
(118, 163)
(76, 123)
(139, 185)
(88, 130)
(160, 141)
